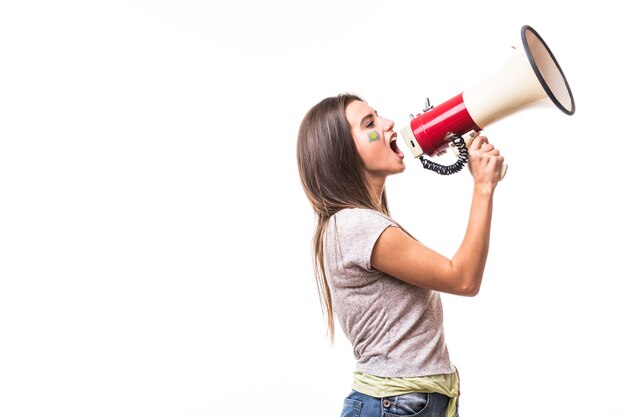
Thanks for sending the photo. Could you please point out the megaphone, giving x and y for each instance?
(532, 76)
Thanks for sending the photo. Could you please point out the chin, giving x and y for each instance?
(399, 169)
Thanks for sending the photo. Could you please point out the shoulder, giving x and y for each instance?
(352, 234)
(358, 213)
(353, 220)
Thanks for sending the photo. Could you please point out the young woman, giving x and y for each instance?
(380, 283)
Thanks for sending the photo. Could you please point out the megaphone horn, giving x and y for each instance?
(532, 75)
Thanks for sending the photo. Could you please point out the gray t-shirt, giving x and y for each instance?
(396, 329)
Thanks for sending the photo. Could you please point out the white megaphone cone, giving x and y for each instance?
(532, 76)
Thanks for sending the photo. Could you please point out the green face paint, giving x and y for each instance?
(373, 136)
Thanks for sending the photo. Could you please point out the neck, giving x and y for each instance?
(376, 186)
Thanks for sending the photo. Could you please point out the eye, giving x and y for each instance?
(370, 124)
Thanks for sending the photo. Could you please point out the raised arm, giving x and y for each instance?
(401, 256)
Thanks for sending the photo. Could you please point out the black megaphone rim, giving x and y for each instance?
(543, 82)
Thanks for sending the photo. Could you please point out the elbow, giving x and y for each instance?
(466, 278)
(470, 289)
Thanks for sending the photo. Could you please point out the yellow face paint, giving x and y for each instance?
(373, 136)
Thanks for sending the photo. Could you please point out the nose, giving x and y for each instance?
(387, 124)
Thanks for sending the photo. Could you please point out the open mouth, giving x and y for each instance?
(394, 147)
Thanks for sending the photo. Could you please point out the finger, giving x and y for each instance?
(494, 158)
(487, 147)
(469, 138)
(478, 142)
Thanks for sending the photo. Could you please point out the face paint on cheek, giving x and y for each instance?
(373, 136)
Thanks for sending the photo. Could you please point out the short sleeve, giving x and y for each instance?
(355, 234)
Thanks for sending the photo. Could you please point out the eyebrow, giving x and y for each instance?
(368, 116)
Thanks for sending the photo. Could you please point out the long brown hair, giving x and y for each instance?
(333, 177)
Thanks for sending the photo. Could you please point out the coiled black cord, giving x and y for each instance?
(449, 169)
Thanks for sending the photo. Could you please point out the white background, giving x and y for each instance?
(154, 237)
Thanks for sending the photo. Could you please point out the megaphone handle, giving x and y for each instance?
(503, 169)
(469, 137)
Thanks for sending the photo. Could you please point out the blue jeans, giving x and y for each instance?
(406, 405)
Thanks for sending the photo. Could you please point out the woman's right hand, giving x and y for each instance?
(485, 162)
